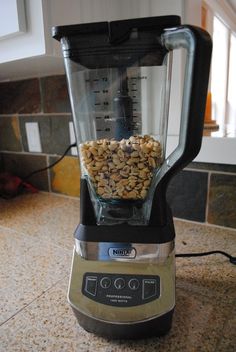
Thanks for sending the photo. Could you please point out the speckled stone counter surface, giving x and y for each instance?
(35, 254)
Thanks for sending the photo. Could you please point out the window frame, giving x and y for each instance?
(223, 12)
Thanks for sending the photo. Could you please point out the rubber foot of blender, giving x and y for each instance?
(151, 328)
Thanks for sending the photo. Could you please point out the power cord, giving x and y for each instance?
(188, 255)
(183, 255)
(51, 165)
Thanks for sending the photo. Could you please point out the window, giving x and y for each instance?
(231, 101)
(223, 71)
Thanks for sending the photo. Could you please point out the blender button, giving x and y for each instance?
(119, 283)
(149, 288)
(105, 282)
(133, 284)
(91, 285)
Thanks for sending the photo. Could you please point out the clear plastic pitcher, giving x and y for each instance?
(119, 78)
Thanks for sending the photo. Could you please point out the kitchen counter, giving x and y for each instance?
(35, 255)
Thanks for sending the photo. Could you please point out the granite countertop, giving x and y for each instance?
(35, 254)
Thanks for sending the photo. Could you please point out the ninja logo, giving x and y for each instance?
(122, 252)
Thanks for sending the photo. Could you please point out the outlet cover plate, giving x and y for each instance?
(33, 137)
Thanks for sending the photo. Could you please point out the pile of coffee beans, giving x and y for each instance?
(121, 169)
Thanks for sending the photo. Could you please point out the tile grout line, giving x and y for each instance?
(36, 114)
(211, 171)
(75, 198)
(48, 173)
(208, 196)
(29, 153)
(205, 224)
(28, 304)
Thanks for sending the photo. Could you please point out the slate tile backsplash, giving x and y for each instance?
(213, 167)
(222, 200)
(187, 195)
(65, 176)
(55, 96)
(202, 192)
(23, 164)
(20, 97)
(10, 136)
(54, 132)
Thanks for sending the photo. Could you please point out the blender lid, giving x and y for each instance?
(117, 43)
(117, 30)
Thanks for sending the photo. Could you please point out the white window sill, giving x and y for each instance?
(214, 150)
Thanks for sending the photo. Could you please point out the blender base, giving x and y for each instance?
(151, 328)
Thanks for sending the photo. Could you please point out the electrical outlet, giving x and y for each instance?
(72, 138)
(33, 137)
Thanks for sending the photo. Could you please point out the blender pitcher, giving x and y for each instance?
(120, 100)
(119, 77)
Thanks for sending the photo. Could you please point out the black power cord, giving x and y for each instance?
(188, 255)
(183, 255)
(51, 165)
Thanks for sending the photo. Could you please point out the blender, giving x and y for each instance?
(122, 282)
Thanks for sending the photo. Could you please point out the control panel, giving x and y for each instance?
(121, 290)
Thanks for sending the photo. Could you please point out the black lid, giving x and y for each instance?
(112, 43)
(116, 29)
(59, 32)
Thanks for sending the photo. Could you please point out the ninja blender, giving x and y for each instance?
(122, 282)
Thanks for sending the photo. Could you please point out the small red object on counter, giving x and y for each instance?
(11, 186)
